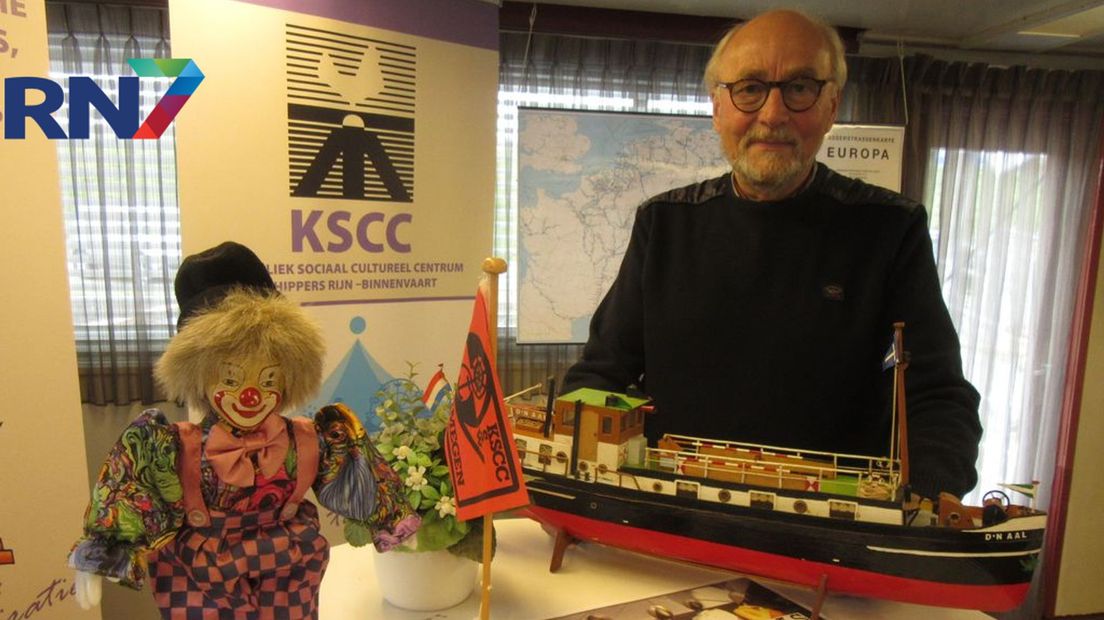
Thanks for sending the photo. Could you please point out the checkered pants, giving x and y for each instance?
(244, 566)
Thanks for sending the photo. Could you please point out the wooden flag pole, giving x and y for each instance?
(899, 392)
(492, 267)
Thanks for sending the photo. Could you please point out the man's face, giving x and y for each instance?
(773, 149)
(246, 391)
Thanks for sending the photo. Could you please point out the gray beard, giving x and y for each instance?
(772, 177)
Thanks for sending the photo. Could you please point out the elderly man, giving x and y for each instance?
(758, 306)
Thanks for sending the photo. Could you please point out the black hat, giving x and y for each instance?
(205, 278)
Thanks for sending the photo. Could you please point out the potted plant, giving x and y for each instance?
(445, 551)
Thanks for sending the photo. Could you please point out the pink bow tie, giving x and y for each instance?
(229, 454)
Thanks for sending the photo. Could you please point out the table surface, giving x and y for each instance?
(591, 576)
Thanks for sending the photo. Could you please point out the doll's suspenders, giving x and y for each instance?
(191, 453)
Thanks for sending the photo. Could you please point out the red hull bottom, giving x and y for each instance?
(802, 572)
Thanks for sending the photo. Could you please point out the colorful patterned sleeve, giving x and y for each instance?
(136, 503)
(357, 483)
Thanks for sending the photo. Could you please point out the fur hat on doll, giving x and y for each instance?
(229, 304)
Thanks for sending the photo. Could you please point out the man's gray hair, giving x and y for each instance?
(831, 35)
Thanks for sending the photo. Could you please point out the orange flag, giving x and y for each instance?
(479, 442)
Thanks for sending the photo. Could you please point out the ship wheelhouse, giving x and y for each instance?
(590, 434)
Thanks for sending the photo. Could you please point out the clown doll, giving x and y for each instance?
(212, 511)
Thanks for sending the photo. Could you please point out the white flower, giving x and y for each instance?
(415, 478)
(446, 506)
(401, 452)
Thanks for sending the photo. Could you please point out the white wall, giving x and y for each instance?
(1079, 582)
(42, 466)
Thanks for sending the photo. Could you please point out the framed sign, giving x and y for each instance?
(871, 153)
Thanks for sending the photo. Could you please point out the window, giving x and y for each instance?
(687, 489)
(842, 510)
(993, 227)
(758, 499)
(122, 222)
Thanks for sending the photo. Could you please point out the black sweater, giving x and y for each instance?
(768, 322)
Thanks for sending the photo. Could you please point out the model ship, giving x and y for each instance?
(837, 522)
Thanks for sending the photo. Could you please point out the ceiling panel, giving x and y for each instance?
(992, 25)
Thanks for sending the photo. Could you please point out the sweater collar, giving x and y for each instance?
(805, 185)
(814, 177)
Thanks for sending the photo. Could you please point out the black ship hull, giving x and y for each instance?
(986, 568)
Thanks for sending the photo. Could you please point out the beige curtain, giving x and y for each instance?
(119, 200)
(1005, 160)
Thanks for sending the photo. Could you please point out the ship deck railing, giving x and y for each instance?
(741, 463)
(773, 466)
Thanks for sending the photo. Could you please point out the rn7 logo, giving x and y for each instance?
(85, 94)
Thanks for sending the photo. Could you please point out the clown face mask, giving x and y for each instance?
(245, 392)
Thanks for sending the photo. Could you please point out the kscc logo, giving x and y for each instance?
(85, 94)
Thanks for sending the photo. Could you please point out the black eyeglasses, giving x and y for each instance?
(799, 94)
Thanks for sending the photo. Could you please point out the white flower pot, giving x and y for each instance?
(425, 580)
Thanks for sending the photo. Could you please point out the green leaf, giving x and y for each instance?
(357, 533)
(436, 534)
(471, 545)
(461, 526)
(414, 497)
(440, 470)
(431, 493)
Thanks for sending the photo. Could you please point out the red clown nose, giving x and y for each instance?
(250, 397)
